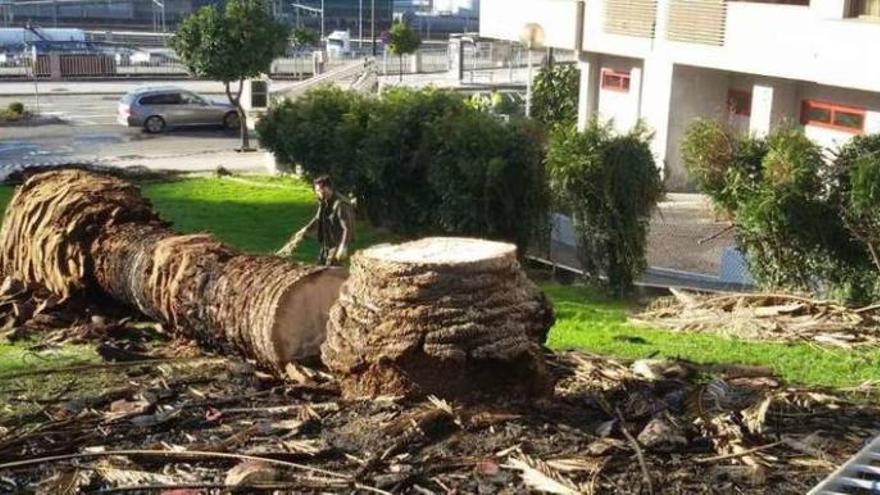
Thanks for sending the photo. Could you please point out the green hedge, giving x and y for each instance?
(806, 222)
(419, 162)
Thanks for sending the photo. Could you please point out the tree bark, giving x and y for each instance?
(242, 116)
(82, 234)
(443, 316)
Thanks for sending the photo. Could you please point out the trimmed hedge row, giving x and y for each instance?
(419, 162)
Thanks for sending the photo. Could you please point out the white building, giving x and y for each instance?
(814, 63)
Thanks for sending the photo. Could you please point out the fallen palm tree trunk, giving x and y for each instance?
(444, 316)
(82, 234)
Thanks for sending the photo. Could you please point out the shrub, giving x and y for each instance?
(803, 222)
(856, 180)
(419, 162)
(16, 108)
(725, 166)
(555, 95)
(609, 184)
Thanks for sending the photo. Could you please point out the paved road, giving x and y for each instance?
(87, 129)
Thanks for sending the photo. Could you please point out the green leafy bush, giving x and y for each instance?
(16, 107)
(13, 113)
(419, 162)
(725, 166)
(555, 95)
(609, 184)
(805, 223)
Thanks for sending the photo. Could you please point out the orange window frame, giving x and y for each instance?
(833, 109)
(622, 77)
(735, 95)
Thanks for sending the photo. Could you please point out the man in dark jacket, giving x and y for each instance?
(333, 223)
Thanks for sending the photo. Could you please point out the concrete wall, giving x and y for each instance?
(696, 93)
(621, 108)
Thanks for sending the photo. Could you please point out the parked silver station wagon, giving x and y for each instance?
(156, 108)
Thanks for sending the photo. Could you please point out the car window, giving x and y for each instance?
(171, 99)
(150, 100)
(191, 99)
(162, 99)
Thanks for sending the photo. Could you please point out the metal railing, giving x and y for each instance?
(483, 61)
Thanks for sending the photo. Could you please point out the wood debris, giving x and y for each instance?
(673, 434)
(774, 317)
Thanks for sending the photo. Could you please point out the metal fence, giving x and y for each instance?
(482, 62)
(82, 67)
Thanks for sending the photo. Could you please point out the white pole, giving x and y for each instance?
(36, 86)
(529, 85)
(361, 24)
(322, 20)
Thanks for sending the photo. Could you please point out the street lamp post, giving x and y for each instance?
(361, 24)
(299, 6)
(373, 25)
(532, 36)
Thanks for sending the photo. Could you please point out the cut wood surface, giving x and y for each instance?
(445, 316)
(82, 234)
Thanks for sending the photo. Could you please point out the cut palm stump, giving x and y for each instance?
(82, 234)
(451, 317)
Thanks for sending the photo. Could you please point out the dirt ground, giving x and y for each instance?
(180, 421)
(160, 415)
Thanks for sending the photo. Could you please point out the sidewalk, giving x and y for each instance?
(198, 161)
(119, 87)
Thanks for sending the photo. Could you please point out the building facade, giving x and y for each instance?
(754, 64)
(101, 14)
(345, 15)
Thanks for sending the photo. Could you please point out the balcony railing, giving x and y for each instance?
(697, 21)
(630, 17)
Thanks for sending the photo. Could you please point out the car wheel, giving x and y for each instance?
(154, 124)
(231, 121)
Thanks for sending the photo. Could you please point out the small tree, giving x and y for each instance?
(304, 37)
(403, 41)
(555, 95)
(232, 44)
(610, 185)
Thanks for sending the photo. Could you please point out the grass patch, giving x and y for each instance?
(259, 214)
(591, 322)
(254, 214)
(18, 357)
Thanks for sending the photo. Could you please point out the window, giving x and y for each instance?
(615, 81)
(739, 102)
(804, 3)
(840, 117)
(162, 99)
(191, 99)
(869, 9)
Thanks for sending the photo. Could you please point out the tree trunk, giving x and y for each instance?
(82, 234)
(443, 316)
(401, 67)
(242, 116)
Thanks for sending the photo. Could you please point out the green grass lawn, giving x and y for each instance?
(259, 214)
